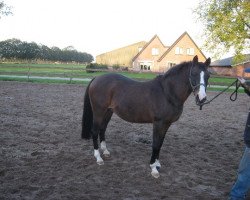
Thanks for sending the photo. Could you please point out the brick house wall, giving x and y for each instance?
(235, 71)
(149, 55)
(240, 70)
(224, 71)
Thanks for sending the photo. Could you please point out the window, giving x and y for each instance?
(145, 66)
(178, 50)
(190, 51)
(181, 50)
(155, 51)
(170, 64)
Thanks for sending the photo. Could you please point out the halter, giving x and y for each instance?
(195, 86)
(190, 81)
(233, 96)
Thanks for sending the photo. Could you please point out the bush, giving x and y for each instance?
(119, 68)
(94, 67)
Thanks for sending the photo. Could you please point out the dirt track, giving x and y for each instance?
(43, 157)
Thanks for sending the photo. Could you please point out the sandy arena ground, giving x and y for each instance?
(42, 155)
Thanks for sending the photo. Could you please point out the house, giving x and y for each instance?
(226, 67)
(160, 58)
(153, 55)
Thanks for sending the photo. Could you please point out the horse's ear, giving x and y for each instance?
(208, 61)
(195, 59)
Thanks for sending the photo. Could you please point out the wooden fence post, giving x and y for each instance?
(28, 74)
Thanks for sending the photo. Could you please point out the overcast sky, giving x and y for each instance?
(98, 26)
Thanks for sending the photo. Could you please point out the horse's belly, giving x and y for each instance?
(134, 115)
(135, 120)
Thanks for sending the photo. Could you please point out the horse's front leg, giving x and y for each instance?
(159, 131)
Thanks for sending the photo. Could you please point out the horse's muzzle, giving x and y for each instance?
(200, 102)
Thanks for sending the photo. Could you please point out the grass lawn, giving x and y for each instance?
(45, 65)
(221, 80)
(76, 71)
(64, 70)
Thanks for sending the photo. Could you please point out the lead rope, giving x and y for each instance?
(233, 96)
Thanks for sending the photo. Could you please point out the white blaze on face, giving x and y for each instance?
(202, 90)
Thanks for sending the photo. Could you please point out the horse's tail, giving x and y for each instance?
(87, 117)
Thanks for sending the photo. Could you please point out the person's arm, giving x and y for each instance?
(247, 132)
(245, 85)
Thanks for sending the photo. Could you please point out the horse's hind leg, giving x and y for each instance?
(95, 133)
(106, 120)
(100, 123)
(159, 131)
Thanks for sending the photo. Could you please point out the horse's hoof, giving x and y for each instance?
(106, 153)
(100, 161)
(155, 174)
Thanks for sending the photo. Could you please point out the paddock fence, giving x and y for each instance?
(75, 73)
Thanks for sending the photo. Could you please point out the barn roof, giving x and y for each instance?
(228, 62)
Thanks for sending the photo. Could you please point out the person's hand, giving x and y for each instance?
(242, 80)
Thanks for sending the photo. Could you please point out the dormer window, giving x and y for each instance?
(178, 50)
(155, 51)
(190, 51)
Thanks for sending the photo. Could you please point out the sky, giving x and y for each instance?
(99, 26)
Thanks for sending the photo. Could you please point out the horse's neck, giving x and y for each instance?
(177, 86)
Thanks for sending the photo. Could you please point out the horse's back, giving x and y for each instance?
(110, 78)
(104, 87)
(113, 81)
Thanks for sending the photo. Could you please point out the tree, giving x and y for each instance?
(4, 9)
(227, 25)
(45, 53)
(10, 48)
(17, 49)
(29, 50)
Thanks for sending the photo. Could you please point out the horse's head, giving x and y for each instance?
(198, 78)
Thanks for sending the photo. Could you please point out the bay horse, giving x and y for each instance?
(158, 101)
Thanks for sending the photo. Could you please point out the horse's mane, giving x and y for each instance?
(176, 69)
